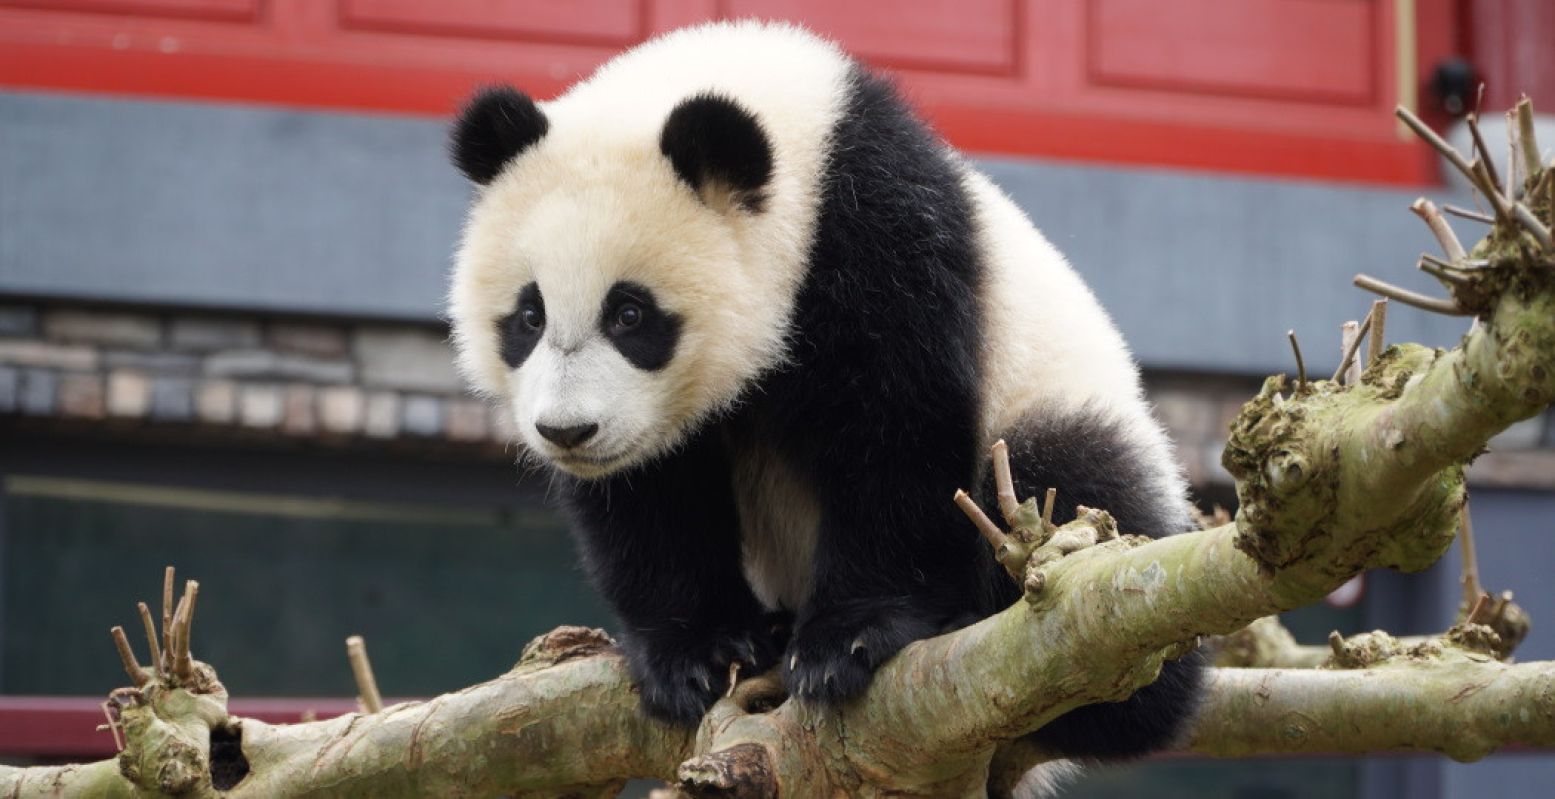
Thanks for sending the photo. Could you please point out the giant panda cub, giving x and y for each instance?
(760, 323)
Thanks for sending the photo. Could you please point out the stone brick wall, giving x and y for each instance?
(372, 382)
(340, 380)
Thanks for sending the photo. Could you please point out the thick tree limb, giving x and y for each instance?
(565, 718)
(560, 729)
(1461, 708)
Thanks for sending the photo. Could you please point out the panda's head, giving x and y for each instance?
(602, 288)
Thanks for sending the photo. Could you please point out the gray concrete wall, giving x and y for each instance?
(262, 208)
(225, 206)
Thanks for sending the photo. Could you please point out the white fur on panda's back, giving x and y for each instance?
(1049, 345)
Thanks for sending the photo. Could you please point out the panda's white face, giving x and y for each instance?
(636, 246)
(605, 303)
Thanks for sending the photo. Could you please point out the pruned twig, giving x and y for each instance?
(1004, 482)
(1525, 144)
(167, 610)
(1532, 224)
(1410, 298)
(1505, 208)
(1477, 611)
(1441, 270)
(1301, 364)
(1475, 176)
(1350, 342)
(1472, 589)
(1350, 336)
(1377, 338)
(1479, 145)
(151, 639)
(362, 670)
(991, 532)
(1467, 214)
(183, 618)
(1426, 210)
(127, 656)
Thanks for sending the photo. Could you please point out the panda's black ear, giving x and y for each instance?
(498, 123)
(717, 146)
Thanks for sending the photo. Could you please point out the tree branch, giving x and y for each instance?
(1461, 708)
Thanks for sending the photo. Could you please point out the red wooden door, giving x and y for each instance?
(1294, 87)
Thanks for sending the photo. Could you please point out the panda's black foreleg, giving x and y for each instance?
(893, 565)
(661, 543)
(1092, 461)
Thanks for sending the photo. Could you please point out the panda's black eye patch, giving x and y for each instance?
(641, 331)
(519, 331)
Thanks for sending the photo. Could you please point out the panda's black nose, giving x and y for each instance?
(567, 437)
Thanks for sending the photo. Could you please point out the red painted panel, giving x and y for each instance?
(1313, 50)
(234, 10)
(617, 22)
(1510, 41)
(1104, 80)
(948, 35)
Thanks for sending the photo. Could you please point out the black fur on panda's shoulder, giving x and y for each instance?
(710, 138)
(878, 406)
(497, 124)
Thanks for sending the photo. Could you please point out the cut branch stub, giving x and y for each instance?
(362, 671)
(743, 771)
(1030, 527)
(1089, 528)
(1504, 623)
(168, 716)
(565, 643)
(1268, 454)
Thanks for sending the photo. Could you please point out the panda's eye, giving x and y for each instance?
(533, 318)
(628, 316)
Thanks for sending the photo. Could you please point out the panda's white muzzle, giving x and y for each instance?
(584, 408)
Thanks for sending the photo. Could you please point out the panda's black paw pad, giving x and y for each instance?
(834, 654)
(679, 681)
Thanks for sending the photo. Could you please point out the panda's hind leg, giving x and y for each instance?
(1097, 459)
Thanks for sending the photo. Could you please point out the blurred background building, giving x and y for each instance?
(225, 227)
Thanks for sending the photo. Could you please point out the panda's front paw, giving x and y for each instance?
(679, 679)
(836, 648)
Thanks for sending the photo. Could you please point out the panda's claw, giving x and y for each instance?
(835, 651)
(675, 676)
